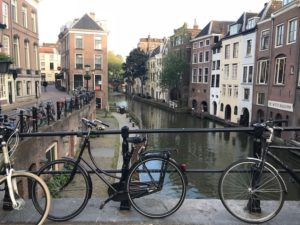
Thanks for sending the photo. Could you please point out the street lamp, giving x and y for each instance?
(87, 75)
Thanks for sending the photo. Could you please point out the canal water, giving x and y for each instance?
(198, 150)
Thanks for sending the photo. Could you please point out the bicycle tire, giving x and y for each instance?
(162, 202)
(27, 213)
(65, 190)
(250, 205)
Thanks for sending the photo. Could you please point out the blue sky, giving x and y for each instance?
(129, 20)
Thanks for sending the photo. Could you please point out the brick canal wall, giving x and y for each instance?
(33, 151)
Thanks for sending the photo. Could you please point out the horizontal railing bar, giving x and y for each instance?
(161, 130)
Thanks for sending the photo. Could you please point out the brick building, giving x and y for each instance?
(20, 41)
(83, 49)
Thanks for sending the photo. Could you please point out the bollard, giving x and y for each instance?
(35, 119)
(21, 115)
(125, 204)
(132, 124)
(48, 113)
(58, 107)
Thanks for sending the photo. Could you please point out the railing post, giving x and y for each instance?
(21, 115)
(48, 113)
(125, 204)
(58, 109)
(34, 119)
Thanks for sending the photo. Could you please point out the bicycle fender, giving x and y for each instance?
(277, 173)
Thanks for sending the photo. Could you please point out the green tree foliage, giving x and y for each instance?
(135, 65)
(115, 70)
(174, 66)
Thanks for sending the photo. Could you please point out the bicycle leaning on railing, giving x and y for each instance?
(155, 184)
(252, 189)
(18, 187)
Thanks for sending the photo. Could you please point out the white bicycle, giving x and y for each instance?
(17, 187)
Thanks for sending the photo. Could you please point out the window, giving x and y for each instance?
(19, 88)
(223, 89)
(222, 107)
(36, 56)
(279, 35)
(229, 90)
(262, 71)
(98, 62)
(194, 76)
(213, 65)
(14, 10)
(201, 43)
(226, 72)
(28, 87)
(235, 50)
(260, 98)
(235, 111)
(78, 42)
(264, 40)
(200, 75)
(206, 56)
(207, 42)
(33, 22)
(51, 65)
(285, 2)
(98, 82)
(195, 58)
(2, 87)
(235, 91)
(246, 93)
(78, 80)
(212, 81)
(98, 42)
(247, 74)
(79, 61)
(217, 80)
(24, 16)
(249, 47)
(42, 65)
(250, 23)
(292, 31)
(227, 51)
(218, 64)
(195, 45)
(200, 56)
(5, 13)
(5, 44)
(27, 54)
(234, 71)
(16, 51)
(205, 75)
(280, 70)
(234, 29)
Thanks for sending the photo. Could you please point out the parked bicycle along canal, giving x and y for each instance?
(200, 150)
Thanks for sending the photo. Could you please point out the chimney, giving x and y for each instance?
(92, 15)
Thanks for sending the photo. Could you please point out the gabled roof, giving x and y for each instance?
(87, 23)
(270, 7)
(215, 27)
(154, 52)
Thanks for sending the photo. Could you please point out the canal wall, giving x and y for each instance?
(32, 152)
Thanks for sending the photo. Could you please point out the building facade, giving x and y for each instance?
(49, 62)
(20, 41)
(201, 64)
(83, 49)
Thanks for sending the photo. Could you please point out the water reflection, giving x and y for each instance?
(214, 150)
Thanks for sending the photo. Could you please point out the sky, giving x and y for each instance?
(129, 20)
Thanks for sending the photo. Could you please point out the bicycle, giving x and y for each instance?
(19, 186)
(155, 184)
(252, 189)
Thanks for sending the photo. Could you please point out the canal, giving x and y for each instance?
(199, 150)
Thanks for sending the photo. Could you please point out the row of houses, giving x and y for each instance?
(77, 59)
(240, 71)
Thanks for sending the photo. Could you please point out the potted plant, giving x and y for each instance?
(5, 61)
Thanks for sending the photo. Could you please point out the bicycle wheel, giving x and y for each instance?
(70, 192)
(249, 202)
(25, 212)
(156, 187)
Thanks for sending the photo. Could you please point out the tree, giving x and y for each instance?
(173, 68)
(115, 69)
(135, 66)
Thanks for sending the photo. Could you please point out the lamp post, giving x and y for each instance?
(87, 75)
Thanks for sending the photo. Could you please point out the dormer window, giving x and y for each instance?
(234, 29)
(250, 23)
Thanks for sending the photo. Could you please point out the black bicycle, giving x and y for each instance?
(155, 184)
(252, 189)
